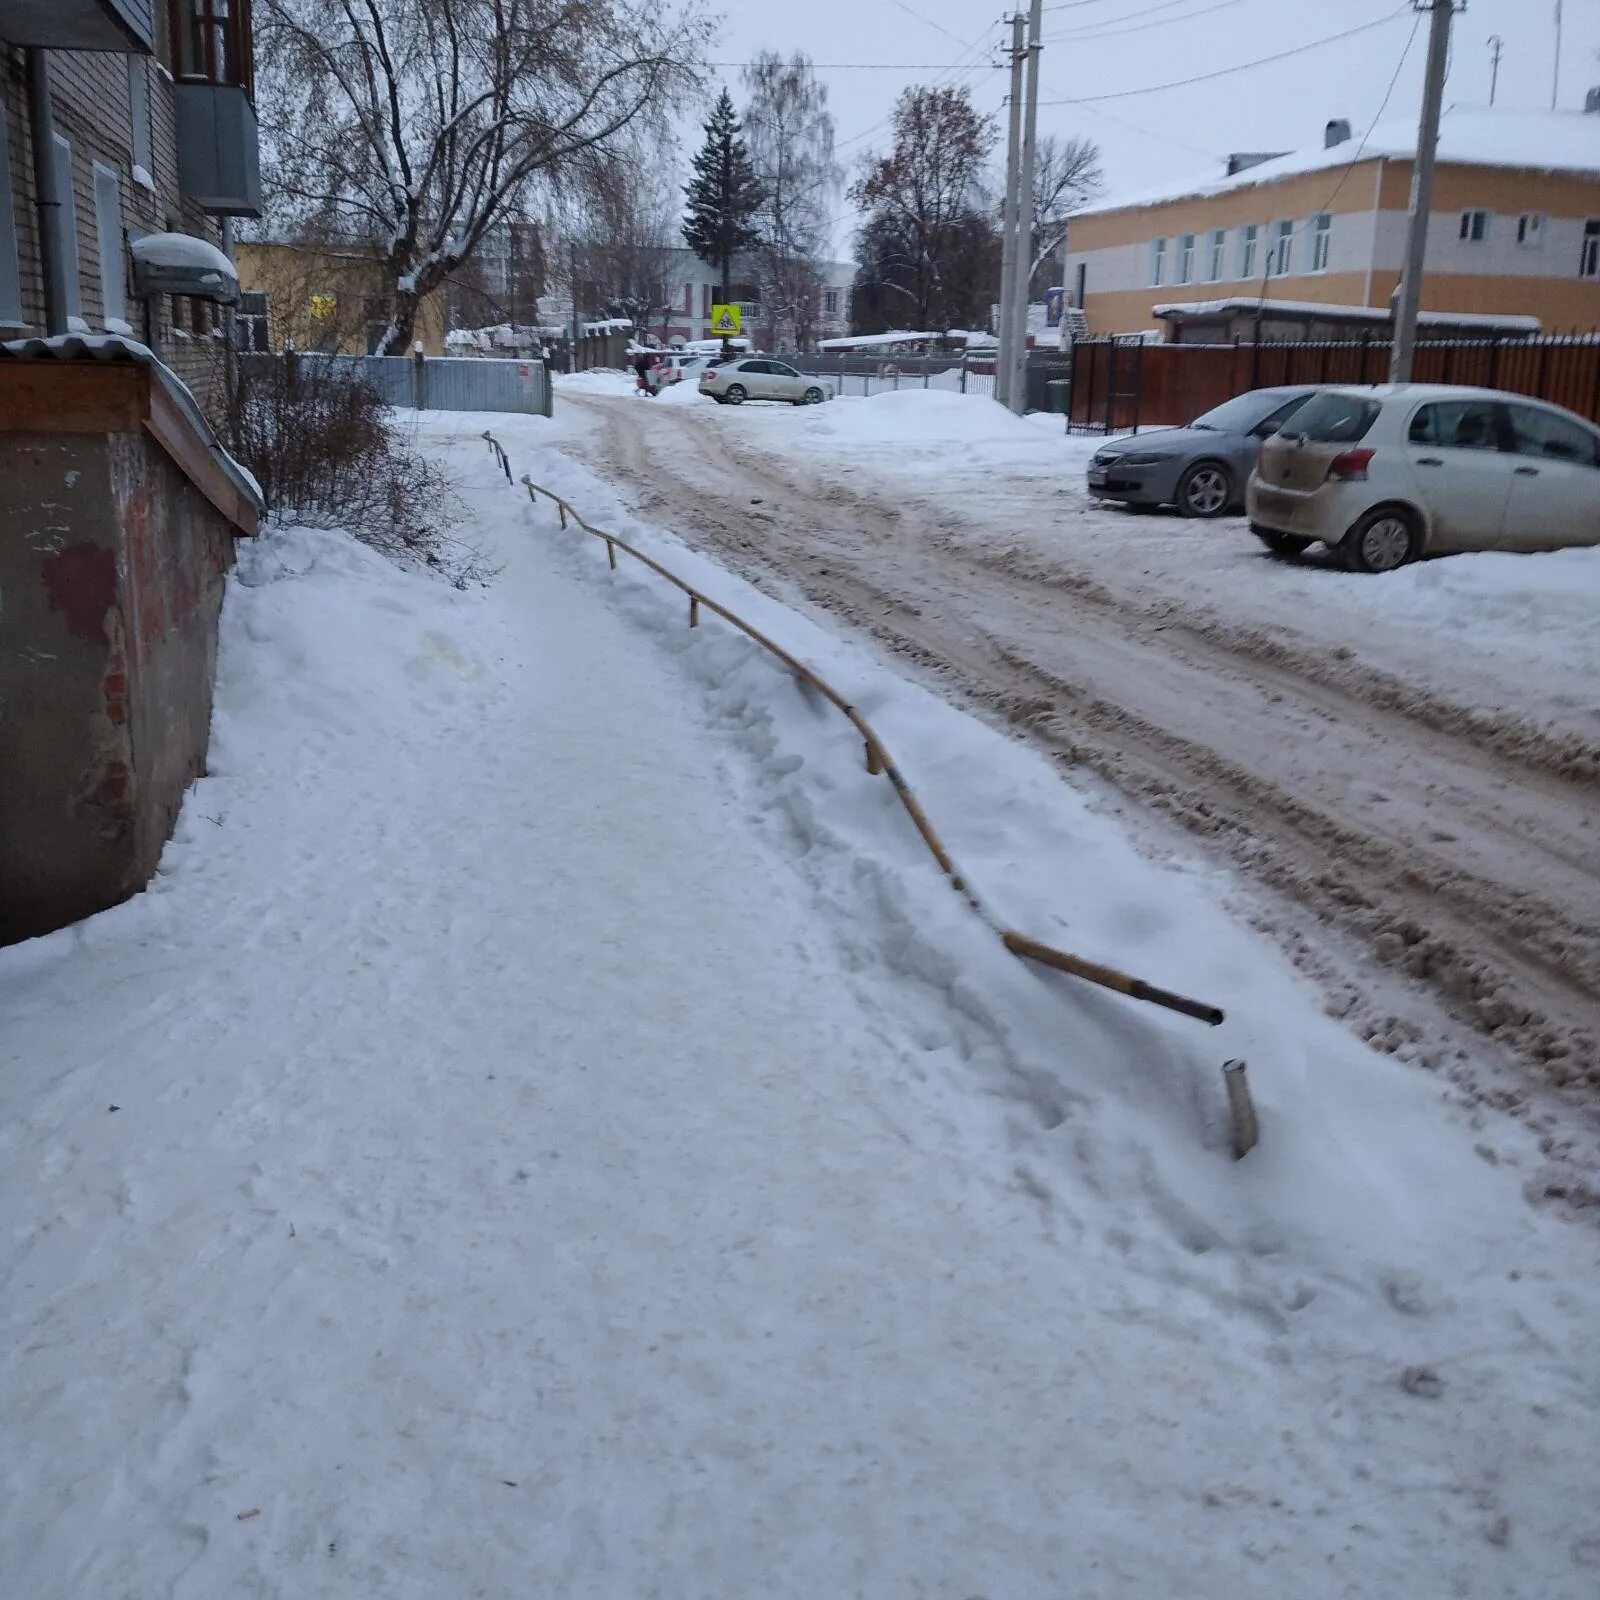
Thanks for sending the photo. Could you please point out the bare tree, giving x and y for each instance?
(419, 124)
(1067, 175)
(613, 234)
(789, 130)
(924, 252)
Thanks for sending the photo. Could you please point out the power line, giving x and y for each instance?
(1355, 160)
(960, 69)
(857, 66)
(1090, 27)
(1224, 72)
(928, 22)
(1087, 36)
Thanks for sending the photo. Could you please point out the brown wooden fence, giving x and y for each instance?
(1122, 384)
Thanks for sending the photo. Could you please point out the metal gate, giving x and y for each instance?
(464, 383)
(449, 383)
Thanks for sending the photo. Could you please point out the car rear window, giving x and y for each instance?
(1333, 419)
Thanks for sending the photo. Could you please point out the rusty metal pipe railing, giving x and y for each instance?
(879, 761)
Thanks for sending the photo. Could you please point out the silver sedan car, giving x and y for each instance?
(1201, 469)
(731, 383)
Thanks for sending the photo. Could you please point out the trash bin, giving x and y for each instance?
(1057, 389)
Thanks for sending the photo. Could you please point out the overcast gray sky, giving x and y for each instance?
(1105, 47)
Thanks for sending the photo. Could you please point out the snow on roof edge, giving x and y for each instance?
(1468, 136)
(1465, 319)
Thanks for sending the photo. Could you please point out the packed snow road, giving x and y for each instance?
(1393, 762)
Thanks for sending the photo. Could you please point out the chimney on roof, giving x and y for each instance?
(1242, 159)
(1591, 101)
(1336, 132)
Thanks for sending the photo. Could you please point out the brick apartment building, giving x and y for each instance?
(141, 113)
(127, 141)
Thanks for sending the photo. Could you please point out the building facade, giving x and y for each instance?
(128, 138)
(139, 119)
(692, 286)
(1514, 230)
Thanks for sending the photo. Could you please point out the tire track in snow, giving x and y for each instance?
(1457, 849)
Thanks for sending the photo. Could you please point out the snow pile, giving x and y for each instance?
(685, 392)
(933, 418)
(597, 380)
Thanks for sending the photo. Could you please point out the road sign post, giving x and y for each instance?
(727, 322)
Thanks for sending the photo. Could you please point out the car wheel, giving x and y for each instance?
(1204, 490)
(1281, 544)
(735, 395)
(814, 396)
(1384, 539)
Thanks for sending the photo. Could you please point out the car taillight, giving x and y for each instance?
(1350, 466)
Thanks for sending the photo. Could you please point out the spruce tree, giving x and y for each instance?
(724, 196)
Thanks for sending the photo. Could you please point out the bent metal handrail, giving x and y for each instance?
(880, 761)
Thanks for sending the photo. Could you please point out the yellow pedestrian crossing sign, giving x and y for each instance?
(726, 319)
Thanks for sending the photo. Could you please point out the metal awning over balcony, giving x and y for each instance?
(126, 26)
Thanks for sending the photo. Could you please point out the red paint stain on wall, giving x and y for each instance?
(82, 584)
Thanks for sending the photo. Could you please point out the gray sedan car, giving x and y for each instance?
(1201, 469)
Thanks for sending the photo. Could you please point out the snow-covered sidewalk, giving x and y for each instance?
(511, 1152)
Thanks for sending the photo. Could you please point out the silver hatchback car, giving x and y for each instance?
(1201, 469)
(1387, 474)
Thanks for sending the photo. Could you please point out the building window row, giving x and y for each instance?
(1477, 225)
(1190, 254)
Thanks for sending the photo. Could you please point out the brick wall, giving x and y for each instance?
(92, 109)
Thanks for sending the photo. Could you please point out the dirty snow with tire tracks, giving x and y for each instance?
(550, 1130)
(1404, 769)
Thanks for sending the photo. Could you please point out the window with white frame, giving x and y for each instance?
(1249, 242)
(1216, 266)
(1474, 226)
(1282, 248)
(1589, 258)
(250, 322)
(830, 302)
(1530, 230)
(10, 275)
(1158, 262)
(1321, 238)
(144, 165)
(1186, 258)
(64, 225)
(108, 234)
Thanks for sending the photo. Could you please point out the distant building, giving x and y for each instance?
(1514, 231)
(330, 297)
(692, 286)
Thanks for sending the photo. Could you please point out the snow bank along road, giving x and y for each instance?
(1412, 761)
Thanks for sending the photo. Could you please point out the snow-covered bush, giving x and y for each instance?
(324, 447)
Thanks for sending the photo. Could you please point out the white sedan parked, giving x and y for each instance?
(731, 383)
(1387, 474)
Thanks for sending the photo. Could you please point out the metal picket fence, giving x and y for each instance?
(447, 383)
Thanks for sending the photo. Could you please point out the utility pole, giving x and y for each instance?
(1496, 47)
(1009, 217)
(1017, 387)
(1555, 76)
(1408, 297)
(577, 322)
